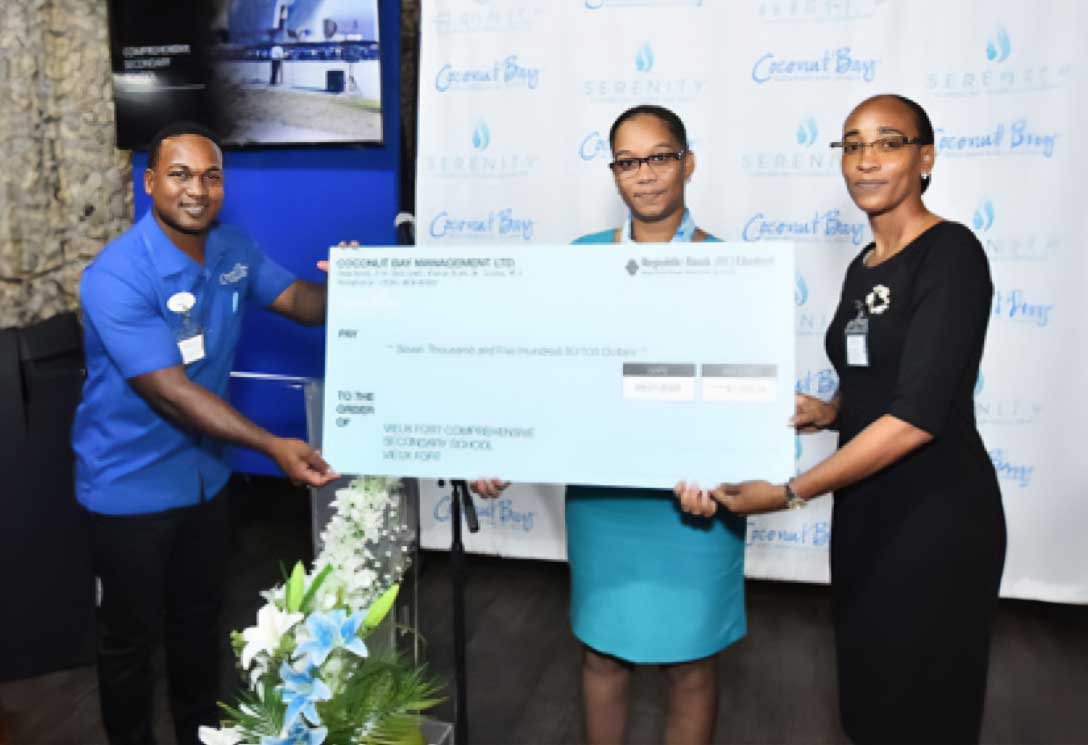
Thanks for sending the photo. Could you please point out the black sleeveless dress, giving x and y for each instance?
(918, 549)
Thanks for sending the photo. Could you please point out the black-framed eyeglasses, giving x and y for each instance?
(629, 166)
(889, 144)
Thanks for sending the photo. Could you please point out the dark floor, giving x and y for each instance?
(777, 685)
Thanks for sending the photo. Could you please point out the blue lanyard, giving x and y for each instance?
(684, 234)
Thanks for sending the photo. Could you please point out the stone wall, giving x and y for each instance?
(65, 190)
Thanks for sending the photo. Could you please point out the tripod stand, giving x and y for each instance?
(460, 501)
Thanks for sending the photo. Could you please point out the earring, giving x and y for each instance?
(925, 176)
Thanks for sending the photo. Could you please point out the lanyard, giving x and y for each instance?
(684, 234)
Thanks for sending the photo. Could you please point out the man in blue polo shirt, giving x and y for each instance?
(162, 312)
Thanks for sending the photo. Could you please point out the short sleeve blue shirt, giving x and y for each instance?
(129, 458)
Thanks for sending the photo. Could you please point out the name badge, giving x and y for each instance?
(192, 349)
(857, 339)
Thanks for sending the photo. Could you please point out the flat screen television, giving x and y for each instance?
(258, 72)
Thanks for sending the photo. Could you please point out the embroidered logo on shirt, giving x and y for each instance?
(237, 274)
(879, 299)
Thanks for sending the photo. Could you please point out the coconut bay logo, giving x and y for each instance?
(1000, 69)
(821, 227)
(503, 74)
(1006, 245)
(795, 151)
(594, 146)
(500, 224)
(792, 11)
(1011, 470)
(482, 155)
(604, 4)
(1016, 137)
(1000, 410)
(647, 79)
(842, 64)
(490, 16)
(822, 382)
(807, 535)
(1022, 307)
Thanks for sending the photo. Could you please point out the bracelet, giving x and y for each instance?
(793, 502)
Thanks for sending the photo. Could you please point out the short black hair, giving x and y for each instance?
(177, 129)
(668, 117)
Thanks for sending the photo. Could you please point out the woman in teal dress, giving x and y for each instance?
(649, 584)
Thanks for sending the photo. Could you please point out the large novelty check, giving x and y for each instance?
(625, 364)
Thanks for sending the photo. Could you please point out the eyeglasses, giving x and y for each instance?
(631, 166)
(892, 144)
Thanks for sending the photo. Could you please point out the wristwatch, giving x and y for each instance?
(793, 502)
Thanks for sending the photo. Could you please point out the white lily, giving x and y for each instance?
(272, 624)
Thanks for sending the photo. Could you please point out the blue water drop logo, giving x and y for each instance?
(481, 136)
(797, 449)
(998, 46)
(800, 290)
(984, 215)
(807, 132)
(979, 382)
(644, 60)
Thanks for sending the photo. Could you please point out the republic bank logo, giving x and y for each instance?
(1000, 71)
(631, 267)
(604, 4)
(1034, 241)
(485, 154)
(792, 152)
(998, 46)
(647, 79)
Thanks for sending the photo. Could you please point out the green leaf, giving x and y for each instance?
(308, 598)
(380, 609)
(295, 586)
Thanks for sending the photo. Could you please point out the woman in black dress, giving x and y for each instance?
(918, 542)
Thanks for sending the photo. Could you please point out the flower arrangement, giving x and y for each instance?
(311, 678)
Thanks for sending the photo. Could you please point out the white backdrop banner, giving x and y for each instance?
(516, 99)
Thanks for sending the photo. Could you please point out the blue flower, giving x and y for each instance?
(329, 631)
(298, 734)
(300, 691)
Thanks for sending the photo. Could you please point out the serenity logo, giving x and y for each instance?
(994, 76)
(797, 153)
(998, 47)
(831, 64)
(1010, 411)
(800, 290)
(793, 11)
(483, 156)
(647, 81)
(1001, 245)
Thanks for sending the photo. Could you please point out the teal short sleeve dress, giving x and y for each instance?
(649, 583)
